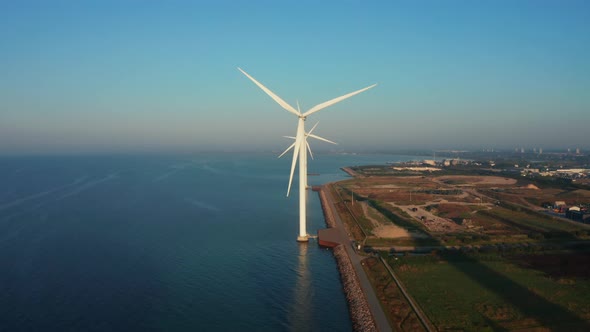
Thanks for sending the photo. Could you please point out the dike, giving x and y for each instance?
(360, 313)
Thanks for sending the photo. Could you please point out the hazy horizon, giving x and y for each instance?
(115, 77)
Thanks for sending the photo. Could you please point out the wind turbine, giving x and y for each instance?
(300, 145)
(307, 134)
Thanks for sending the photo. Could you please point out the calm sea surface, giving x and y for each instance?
(175, 243)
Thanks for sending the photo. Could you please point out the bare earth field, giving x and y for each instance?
(472, 180)
(466, 204)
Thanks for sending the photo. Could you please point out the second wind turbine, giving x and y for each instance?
(300, 146)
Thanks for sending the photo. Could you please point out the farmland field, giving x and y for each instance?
(494, 291)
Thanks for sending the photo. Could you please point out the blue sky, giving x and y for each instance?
(102, 76)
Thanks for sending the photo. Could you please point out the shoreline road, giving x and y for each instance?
(356, 260)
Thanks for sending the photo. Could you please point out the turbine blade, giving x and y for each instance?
(289, 148)
(334, 101)
(271, 94)
(312, 128)
(322, 139)
(309, 149)
(291, 137)
(298, 109)
(295, 155)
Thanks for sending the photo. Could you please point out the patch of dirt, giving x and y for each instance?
(485, 180)
(387, 186)
(392, 232)
(430, 220)
(385, 230)
(497, 313)
(452, 210)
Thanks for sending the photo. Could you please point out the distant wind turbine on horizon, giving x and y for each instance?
(300, 145)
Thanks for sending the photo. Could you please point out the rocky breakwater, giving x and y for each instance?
(360, 314)
(328, 216)
(362, 319)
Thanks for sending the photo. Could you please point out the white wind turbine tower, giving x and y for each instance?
(300, 146)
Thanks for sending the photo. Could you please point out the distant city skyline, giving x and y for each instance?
(133, 76)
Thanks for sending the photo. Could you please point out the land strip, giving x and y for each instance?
(469, 241)
(380, 319)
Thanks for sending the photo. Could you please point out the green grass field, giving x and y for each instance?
(492, 292)
(527, 220)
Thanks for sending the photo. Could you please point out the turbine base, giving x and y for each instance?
(303, 238)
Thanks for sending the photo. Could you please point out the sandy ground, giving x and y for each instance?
(469, 180)
(387, 231)
(387, 186)
(392, 232)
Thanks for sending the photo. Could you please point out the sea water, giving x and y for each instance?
(169, 242)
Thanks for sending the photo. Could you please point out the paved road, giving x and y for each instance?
(374, 304)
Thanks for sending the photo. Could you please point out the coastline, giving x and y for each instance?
(360, 313)
(362, 317)
(350, 172)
